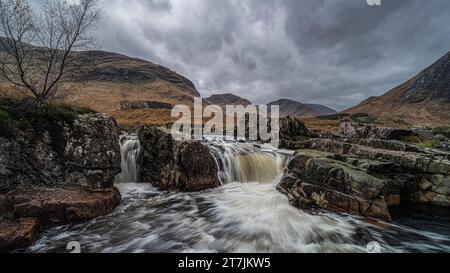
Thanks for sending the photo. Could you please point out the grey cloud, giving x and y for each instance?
(331, 52)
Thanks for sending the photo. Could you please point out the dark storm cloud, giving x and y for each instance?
(325, 51)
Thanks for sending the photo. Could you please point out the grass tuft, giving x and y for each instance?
(16, 111)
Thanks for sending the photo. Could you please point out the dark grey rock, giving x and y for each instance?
(176, 165)
(58, 154)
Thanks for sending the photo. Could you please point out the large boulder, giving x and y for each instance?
(292, 130)
(434, 190)
(176, 165)
(314, 179)
(83, 153)
(56, 171)
(355, 130)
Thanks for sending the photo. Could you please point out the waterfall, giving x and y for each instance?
(241, 217)
(130, 149)
(246, 162)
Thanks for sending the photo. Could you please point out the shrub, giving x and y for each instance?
(29, 111)
(360, 115)
(335, 116)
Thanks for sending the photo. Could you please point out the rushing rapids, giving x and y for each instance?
(246, 214)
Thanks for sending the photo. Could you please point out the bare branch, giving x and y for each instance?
(36, 49)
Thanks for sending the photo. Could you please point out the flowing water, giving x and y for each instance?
(246, 214)
(130, 150)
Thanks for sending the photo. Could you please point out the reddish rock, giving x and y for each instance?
(61, 206)
(17, 234)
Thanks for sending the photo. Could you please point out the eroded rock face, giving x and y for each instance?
(85, 153)
(291, 131)
(314, 179)
(416, 162)
(336, 173)
(434, 190)
(176, 165)
(56, 172)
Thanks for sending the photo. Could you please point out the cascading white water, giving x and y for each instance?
(130, 149)
(246, 214)
(247, 162)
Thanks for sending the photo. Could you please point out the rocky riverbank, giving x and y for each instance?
(365, 170)
(60, 171)
(55, 171)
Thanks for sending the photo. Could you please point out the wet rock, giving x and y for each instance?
(176, 165)
(61, 206)
(393, 145)
(411, 162)
(84, 153)
(313, 179)
(325, 145)
(17, 234)
(58, 172)
(434, 190)
(355, 130)
(445, 146)
(291, 131)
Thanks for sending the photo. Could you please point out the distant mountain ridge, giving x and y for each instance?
(422, 100)
(297, 109)
(227, 99)
(321, 109)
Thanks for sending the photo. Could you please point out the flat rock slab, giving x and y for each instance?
(17, 234)
(61, 206)
(313, 179)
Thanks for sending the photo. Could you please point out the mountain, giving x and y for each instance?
(103, 80)
(323, 110)
(422, 100)
(227, 99)
(106, 79)
(297, 109)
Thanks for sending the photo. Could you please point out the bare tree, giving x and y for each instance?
(35, 48)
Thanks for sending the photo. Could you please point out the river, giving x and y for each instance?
(247, 214)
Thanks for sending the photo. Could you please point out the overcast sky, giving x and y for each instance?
(332, 52)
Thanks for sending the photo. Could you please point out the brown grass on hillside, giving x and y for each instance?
(106, 97)
(14, 92)
(324, 125)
